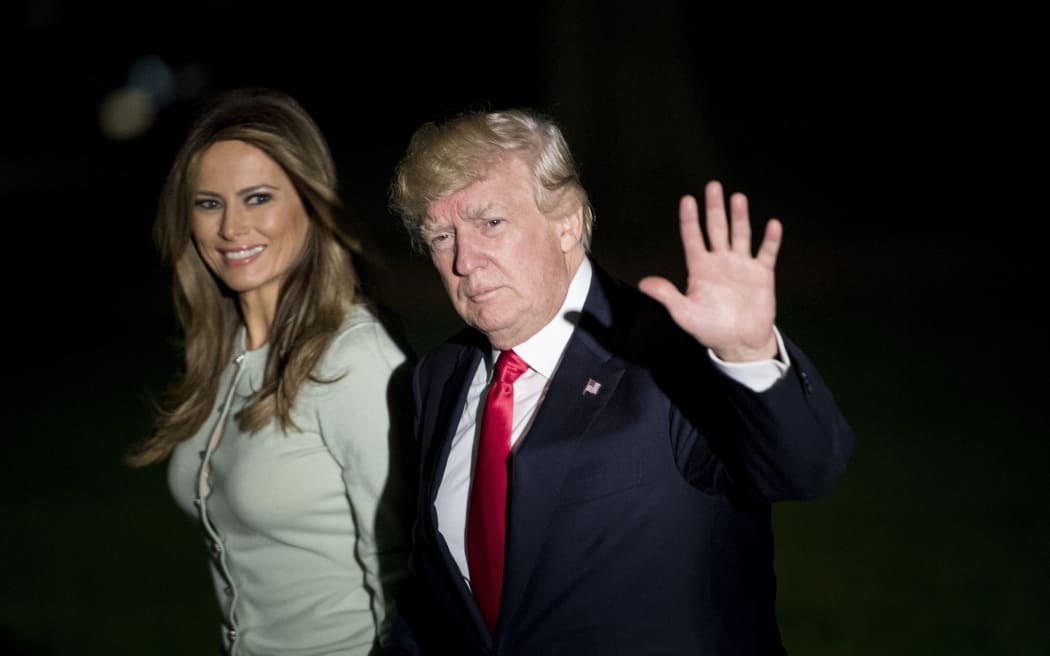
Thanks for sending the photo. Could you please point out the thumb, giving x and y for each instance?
(660, 289)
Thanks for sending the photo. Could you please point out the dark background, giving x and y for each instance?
(901, 151)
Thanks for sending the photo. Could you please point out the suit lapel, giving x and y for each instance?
(453, 397)
(545, 453)
(453, 393)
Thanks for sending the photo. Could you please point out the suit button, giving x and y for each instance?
(228, 590)
(216, 548)
(231, 633)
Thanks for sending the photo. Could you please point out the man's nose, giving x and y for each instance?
(468, 255)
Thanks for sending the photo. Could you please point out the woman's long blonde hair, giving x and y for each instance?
(314, 298)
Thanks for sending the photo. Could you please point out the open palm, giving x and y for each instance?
(729, 303)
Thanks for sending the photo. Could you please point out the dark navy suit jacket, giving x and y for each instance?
(639, 516)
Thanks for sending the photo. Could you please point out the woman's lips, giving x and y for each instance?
(241, 256)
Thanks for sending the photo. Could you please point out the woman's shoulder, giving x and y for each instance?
(363, 336)
(359, 315)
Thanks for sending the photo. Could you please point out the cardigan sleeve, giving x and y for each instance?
(361, 421)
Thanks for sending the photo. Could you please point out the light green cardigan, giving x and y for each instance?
(307, 532)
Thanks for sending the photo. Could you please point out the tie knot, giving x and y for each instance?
(509, 367)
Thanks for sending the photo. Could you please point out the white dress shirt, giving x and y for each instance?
(542, 352)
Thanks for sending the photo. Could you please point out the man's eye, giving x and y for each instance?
(258, 199)
(492, 223)
(441, 242)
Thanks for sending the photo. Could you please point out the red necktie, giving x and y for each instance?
(486, 514)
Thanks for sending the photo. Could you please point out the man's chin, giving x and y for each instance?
(499, 334)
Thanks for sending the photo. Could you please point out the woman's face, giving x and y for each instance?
(249, 224)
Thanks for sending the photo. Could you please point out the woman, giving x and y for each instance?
(282, 432)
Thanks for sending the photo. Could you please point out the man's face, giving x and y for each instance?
(506, 265)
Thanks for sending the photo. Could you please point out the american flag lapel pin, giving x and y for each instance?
(592, 387)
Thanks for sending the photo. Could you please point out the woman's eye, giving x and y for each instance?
(206, 203)
(258, 199)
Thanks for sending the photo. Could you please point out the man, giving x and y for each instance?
(648, 433)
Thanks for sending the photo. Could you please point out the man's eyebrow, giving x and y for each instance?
(474, 211)
(486, 209)
(431, 226)
(467, 213)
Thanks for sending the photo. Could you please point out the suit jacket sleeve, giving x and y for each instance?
(789, 442)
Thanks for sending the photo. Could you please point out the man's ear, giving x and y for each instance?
(571, 228)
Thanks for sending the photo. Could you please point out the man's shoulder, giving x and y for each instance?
(609, 288)
(467, 343)
(622, 308)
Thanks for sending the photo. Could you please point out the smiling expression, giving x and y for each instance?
(249, 223)
(505, 264)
